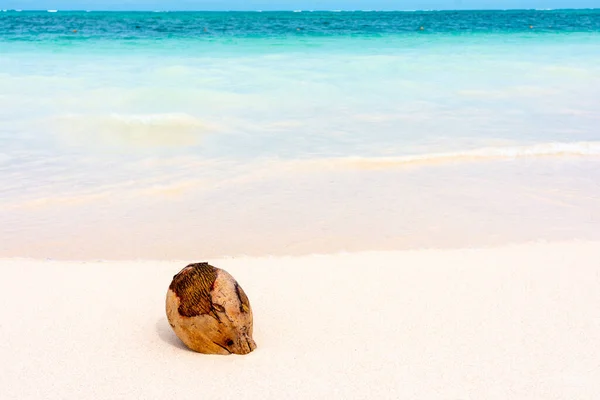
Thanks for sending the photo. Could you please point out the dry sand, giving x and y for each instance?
(517, 322)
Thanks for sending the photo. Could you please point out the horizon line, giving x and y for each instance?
(302, 10)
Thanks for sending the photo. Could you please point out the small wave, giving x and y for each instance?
(175, 129)
(52, 11)
(578, 149)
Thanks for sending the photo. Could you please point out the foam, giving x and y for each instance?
(581, 149)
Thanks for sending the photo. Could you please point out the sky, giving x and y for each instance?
(291, 4)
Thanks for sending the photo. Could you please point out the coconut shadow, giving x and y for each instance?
(166, 334)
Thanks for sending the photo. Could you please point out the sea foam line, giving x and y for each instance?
(581, 149)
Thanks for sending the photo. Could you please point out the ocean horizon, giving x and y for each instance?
(300, 10)
(172, 134)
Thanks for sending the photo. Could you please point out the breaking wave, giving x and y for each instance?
(171, 129)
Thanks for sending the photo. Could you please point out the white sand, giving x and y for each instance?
(519, 322)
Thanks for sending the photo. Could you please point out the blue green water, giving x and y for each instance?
(324, 130)
(44, 26)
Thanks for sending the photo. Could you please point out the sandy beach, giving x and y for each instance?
(516, 322)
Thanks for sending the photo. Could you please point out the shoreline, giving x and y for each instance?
(308, 212)
(293, 256)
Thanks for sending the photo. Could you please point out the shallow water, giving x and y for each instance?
(201, 134)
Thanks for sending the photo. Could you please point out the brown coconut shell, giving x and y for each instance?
(209, 311)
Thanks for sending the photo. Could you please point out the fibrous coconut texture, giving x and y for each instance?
(209, 311)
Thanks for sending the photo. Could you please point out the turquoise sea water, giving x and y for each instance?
(202, 134)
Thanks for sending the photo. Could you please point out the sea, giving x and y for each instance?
(195, 135)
